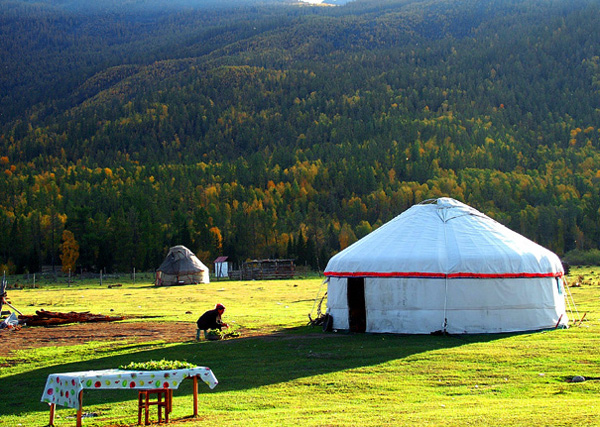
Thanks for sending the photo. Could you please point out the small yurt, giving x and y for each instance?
(181, 267)
(442, 266)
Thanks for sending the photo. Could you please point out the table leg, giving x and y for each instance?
(195, 396)
(52, 409)
(79, 409)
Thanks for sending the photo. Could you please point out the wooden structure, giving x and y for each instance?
(164, 400)
(265, 269)
(221, 267)
(3, 296)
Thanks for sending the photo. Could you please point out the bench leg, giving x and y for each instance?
(140, 395)
(169, 406)
(159, 406)
(147, 408)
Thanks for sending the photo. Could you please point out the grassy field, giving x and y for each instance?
(294, 374)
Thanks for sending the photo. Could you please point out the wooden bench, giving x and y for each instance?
(164, 401)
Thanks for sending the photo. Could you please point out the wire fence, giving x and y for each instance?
(49, 279)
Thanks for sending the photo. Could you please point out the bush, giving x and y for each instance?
(580, 257)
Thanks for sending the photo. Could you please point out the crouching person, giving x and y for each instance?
(211, 320)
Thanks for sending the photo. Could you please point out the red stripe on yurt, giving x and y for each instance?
(441, 275)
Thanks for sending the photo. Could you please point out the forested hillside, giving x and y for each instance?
(276, 129)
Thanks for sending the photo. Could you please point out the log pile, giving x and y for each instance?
(52, 318)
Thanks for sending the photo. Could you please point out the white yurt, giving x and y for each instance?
(442, 266)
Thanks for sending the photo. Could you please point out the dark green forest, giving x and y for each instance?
(259, 129)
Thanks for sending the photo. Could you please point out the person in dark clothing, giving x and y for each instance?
(211, 320)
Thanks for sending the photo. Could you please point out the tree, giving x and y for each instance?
(69, 251)
(346, 236)
(217, 240)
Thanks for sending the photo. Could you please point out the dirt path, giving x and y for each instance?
(80, 333)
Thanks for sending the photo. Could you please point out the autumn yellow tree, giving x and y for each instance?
(69, 251)
(217, 239)
(346, 236)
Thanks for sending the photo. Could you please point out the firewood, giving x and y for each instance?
(50, 318)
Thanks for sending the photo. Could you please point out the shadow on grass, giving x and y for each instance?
(243, 363)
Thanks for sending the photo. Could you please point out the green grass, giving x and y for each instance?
(298, 375)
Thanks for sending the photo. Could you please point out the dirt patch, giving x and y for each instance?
(80, 333)
(134, 332)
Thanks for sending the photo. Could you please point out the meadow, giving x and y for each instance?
(282, 371)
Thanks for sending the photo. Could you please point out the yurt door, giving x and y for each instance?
(357, 313)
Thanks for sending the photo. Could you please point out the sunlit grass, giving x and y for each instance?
(254, 304)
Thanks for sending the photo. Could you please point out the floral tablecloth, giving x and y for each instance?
(63, 389)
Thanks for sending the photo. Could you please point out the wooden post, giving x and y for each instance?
(146, 406)
(195, 396)
(52, 409)
(8, 304)
(2, 293)
(79, 409)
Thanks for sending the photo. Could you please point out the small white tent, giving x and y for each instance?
(444, 266)
(181, 267)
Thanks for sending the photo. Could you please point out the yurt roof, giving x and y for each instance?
(444, 238)
(180, 260)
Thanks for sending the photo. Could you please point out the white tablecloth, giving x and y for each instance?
(63, 389)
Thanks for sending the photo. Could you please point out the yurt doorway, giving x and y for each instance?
(357, 313)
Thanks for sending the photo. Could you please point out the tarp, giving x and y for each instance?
(64, 388)
(442, 265)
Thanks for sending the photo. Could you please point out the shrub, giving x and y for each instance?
(580, 257)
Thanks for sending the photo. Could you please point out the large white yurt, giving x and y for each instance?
(442, 266)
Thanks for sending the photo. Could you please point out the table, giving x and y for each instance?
(66, 389)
